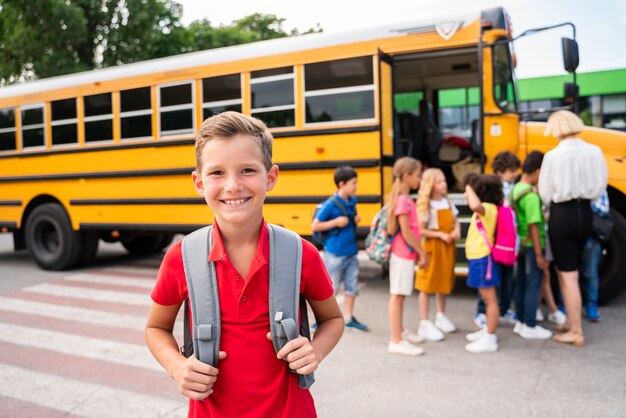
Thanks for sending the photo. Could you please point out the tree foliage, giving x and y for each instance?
(45, 38)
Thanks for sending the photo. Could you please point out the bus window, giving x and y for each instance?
(176, 105)
(33, 127)
(220, 94)
(64, 122)
(7, 129)
(273, 96)
(503, 84)
(341, 90)
(136, 113)
(98, 118)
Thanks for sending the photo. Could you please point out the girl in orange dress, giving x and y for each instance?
(440, 229)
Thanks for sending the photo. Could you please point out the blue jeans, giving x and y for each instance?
(504, 289)
(527, 287)
(590, 279)
(343, 268)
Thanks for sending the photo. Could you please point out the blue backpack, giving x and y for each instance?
(320, 237)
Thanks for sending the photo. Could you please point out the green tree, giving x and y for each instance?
(45, 38)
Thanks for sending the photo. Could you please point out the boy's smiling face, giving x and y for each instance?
(234, 180)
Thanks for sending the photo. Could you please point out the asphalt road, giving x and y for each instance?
(360, 379)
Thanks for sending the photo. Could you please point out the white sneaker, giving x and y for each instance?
(509, 318)
(557, 317)
(535, 333)
(443, 323)
(475, 336)
(518, 327)
(405, 348)
(487, 343)
(412, 338)
(480, 319)
(539, 316)
(429, 331)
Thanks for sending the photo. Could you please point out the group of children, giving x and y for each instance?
(234, 172)
(425, 235)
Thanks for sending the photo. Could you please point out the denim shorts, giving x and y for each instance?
(343, 269)
(477, 273)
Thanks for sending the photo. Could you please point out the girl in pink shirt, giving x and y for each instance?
(406, 250)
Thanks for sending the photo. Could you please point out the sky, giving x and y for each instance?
(600, 24)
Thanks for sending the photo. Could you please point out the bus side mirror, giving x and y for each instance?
(570, 92)
(570, 54)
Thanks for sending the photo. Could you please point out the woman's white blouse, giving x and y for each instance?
(574, 169)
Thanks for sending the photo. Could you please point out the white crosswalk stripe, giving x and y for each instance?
(91, 294)
(82, 398)
(53, 356)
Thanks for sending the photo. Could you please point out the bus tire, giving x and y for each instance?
(143, 244)
(51, 241)
(167, 240)
(612, 264)
(89, 248)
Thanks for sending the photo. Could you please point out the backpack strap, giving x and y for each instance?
(203, 296)
(481, 228)
(285, 301)
(340, 205)
(523, 193)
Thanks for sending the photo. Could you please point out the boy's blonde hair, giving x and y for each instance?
(564, 124)
(404, 165)
(426, 189)
(229, 124)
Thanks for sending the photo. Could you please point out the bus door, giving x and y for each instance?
(386, 114)
(500, 124)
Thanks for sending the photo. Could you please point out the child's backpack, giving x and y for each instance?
(285, 301)
(378, 241)
(504, 248)
(320, 237)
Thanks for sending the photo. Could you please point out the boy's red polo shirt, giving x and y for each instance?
(252, 382)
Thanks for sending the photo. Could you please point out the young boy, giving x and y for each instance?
(234, 172)
(340, 247)
(506, 166)
(531, 261)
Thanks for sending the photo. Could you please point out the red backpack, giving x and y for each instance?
(503, 250)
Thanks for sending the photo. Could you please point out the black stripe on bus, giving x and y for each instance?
(122, 146)
(328, 131)
(8, 225)
(201, 201)
(161, 143)
(10, 203)
(143, 227)
(315, 165)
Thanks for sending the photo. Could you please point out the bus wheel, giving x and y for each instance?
(50, 239)
(612, 264)
(89, 248)
(143, 245)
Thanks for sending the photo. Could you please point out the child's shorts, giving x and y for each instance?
(401, 275)
(477, 273)
(343, 269)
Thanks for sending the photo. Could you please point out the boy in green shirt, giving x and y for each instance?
(531, 261)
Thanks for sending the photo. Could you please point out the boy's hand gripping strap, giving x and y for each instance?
(285, 265)
(203, 295)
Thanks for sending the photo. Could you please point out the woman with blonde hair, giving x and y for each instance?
(572, 174)
(406, 250)
(440, 228)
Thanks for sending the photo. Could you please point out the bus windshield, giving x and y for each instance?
(503, 82)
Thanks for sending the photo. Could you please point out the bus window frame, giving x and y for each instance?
(14, 130)
(62, 122)
(42, 106)
(258, 111)
(131, 113)
(97, 118)
(339, 90)
(493, 45)
(218, 103)
(178, 133)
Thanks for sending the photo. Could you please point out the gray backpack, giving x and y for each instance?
(285, 301)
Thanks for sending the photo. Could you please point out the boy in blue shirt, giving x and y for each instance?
(340, 247)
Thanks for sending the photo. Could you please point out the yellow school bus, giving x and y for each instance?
(107, 154)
